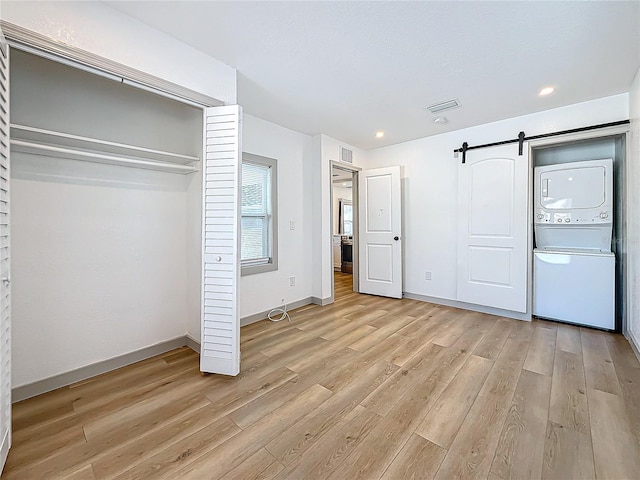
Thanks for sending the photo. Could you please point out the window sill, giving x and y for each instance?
(247, 270)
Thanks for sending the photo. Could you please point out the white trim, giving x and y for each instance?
(572, 137)
(38, 44)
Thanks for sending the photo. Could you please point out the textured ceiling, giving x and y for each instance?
(347, 69)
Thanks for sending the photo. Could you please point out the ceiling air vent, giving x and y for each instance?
(346, 155)
(442, 106)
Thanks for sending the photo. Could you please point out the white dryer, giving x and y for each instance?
(574, 205)
(574, 269)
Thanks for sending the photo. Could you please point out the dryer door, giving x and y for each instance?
(572, 188)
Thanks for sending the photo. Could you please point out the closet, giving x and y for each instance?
(123, 228)
(99, 250)
(595, 147)
(107, 228)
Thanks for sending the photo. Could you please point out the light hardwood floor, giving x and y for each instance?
(366, 388)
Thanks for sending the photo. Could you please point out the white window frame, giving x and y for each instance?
(269, 264)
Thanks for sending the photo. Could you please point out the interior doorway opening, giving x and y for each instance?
(344, 230)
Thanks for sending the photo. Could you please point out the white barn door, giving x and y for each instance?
(492, 228)
(5, 285)
(380, 229)
(220, 326)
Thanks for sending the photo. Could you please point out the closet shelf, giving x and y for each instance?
(39, 141)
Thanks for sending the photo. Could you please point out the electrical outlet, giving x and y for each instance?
(427, 275)
(292, 281)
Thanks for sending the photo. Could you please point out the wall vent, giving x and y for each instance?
(442, 106)
(346, 155)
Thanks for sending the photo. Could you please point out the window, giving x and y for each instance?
(346, 217)
(259, 226)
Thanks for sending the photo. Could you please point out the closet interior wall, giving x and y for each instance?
(105, 258)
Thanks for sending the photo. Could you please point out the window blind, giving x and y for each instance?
(256, 210)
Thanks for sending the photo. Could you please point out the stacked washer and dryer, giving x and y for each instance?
(574, 267)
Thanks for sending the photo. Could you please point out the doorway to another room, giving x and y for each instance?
(344, 231)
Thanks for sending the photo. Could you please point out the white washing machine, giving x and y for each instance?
(574, 268)
(576, 286)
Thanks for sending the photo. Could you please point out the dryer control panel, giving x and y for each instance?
(575, 217)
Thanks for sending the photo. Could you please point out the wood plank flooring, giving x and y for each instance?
(366, 388)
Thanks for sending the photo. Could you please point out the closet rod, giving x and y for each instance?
(35, 148)
(104, 74)
(522, 138)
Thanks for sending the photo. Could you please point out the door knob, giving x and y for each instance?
(396, 238)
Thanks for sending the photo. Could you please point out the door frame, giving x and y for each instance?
(354, 202)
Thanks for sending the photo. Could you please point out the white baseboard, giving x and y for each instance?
(52, 383)
(469, 306)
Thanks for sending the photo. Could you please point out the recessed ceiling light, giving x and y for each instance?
(546, 91)
(379, 134)
(440, 120)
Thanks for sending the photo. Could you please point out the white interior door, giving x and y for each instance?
(220, 327)
(5, 286)
(492, 222)
(380, 242)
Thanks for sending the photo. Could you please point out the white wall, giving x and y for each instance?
(99, 29)
(325, 150)
(98, 263)
(264, 291)
(430, 185)
(633, 216)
